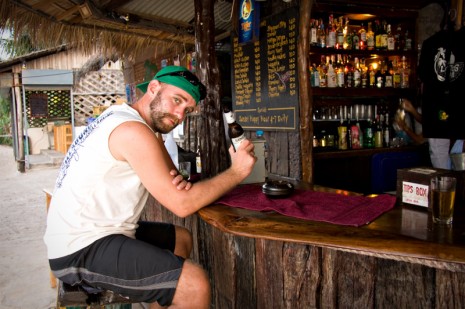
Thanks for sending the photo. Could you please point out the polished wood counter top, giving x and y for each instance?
(404, 233)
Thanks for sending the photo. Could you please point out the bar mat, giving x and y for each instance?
(311, 205)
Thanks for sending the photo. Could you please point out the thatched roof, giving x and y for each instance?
(122, 27)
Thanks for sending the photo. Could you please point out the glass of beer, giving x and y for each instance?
(442, 199)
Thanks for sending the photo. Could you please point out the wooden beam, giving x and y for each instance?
(114, 5)
(41, 3)
(67, 13)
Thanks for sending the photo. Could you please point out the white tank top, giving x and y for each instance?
(95, 195)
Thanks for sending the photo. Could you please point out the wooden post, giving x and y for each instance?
(212, 135)
(21, 160)
(305, 91)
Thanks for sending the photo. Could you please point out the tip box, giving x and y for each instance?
(413, 184)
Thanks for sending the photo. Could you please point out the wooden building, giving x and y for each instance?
(55, 91)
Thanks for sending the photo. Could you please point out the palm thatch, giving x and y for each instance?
(109, 38)
(94, 64)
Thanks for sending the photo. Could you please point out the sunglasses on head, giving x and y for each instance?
(191, 78)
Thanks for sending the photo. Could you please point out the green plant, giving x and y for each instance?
(5, 122)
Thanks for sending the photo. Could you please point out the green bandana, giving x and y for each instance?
(180, 77)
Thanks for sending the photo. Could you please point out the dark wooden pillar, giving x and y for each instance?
(215, 157)
(305, 95)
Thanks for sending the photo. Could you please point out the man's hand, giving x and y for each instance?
(407, 105)
(243, 159)
(179, 181)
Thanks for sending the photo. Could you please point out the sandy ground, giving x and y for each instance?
(24, 271)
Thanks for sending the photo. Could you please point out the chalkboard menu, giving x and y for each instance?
(264, 74)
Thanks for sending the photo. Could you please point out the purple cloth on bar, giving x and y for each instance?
(312, 205)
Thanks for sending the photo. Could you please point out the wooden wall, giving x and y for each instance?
(68, 59)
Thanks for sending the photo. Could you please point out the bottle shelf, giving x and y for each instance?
(337, 92)
(329, 152)
(315, 50)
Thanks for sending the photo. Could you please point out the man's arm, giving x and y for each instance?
(417, 138)
(408, 106)
(135, 143)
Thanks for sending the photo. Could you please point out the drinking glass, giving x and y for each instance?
(442, 199)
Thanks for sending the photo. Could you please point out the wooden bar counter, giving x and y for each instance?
(267, 260)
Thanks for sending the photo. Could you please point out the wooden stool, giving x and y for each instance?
(48, 198)
(74, 297)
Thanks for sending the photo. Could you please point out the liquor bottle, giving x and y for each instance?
(378, 34)
(355, 136)
(408, 41)
(235, 130)
(404, 73)
(384, 35)
(396, 76)
(322, 70)
(331, 41)
(314, 76)
(198, 158)
(390, 38)
(378, 134)
(331, 75)
(355, 40)
(323, 138)
(342, 134)
(368, 135)
(364, 73)
(372, 78)
(344, 33)
(321, 34)
(370, 37)
(379, 77)
(350, 72)
(386, 132)
(363, 37)
(360, 135)
(349, 132)
(313, 32)
(339, 34)
(388, 77)
(348, 43)
(340, 74)
(357, 73)
(399, 38)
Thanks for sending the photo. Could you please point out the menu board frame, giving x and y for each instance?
(265, 76)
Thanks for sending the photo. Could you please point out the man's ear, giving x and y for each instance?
(153, 87)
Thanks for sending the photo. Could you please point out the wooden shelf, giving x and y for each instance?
(322, 154)
(315, 50)
(361, 92)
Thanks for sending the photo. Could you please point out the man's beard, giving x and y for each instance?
(157, 116)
